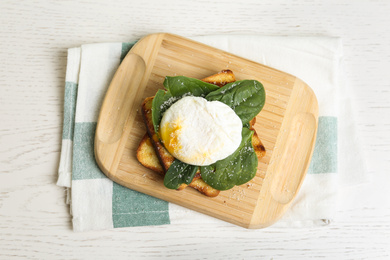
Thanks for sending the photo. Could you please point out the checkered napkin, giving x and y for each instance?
(98, 203)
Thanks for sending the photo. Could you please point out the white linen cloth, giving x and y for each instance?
(337, 160)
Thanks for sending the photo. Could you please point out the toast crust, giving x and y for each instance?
(152, 154)
(221, 78)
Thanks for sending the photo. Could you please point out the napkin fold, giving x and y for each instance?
(98, 203)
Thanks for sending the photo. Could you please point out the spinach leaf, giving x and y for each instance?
(161, 102)
(176, 88)
(245, 97)
(180, 86)
(238, 168)
(179, 173)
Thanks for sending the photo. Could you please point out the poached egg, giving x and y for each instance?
(200, 132)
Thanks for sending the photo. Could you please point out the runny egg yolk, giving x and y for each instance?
(200, 132)
(170, 133)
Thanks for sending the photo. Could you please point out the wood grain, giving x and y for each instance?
(34, 36)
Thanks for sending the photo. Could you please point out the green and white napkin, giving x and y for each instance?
(98, 203)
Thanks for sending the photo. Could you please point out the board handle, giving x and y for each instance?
(295, 158)
(115, 111)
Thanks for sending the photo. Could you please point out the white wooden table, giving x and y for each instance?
(34, 37)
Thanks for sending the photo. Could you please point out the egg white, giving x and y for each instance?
(200, 132)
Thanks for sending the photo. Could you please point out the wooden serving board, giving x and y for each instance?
(287, 126)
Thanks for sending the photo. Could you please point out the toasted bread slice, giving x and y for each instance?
(221, 78)
(147, 156)
(256, 142)
(152, 154)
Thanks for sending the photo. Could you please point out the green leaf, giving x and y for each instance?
(245, 97)
(180, 86)
(179, 173)
(161, 102)
(238, 168)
